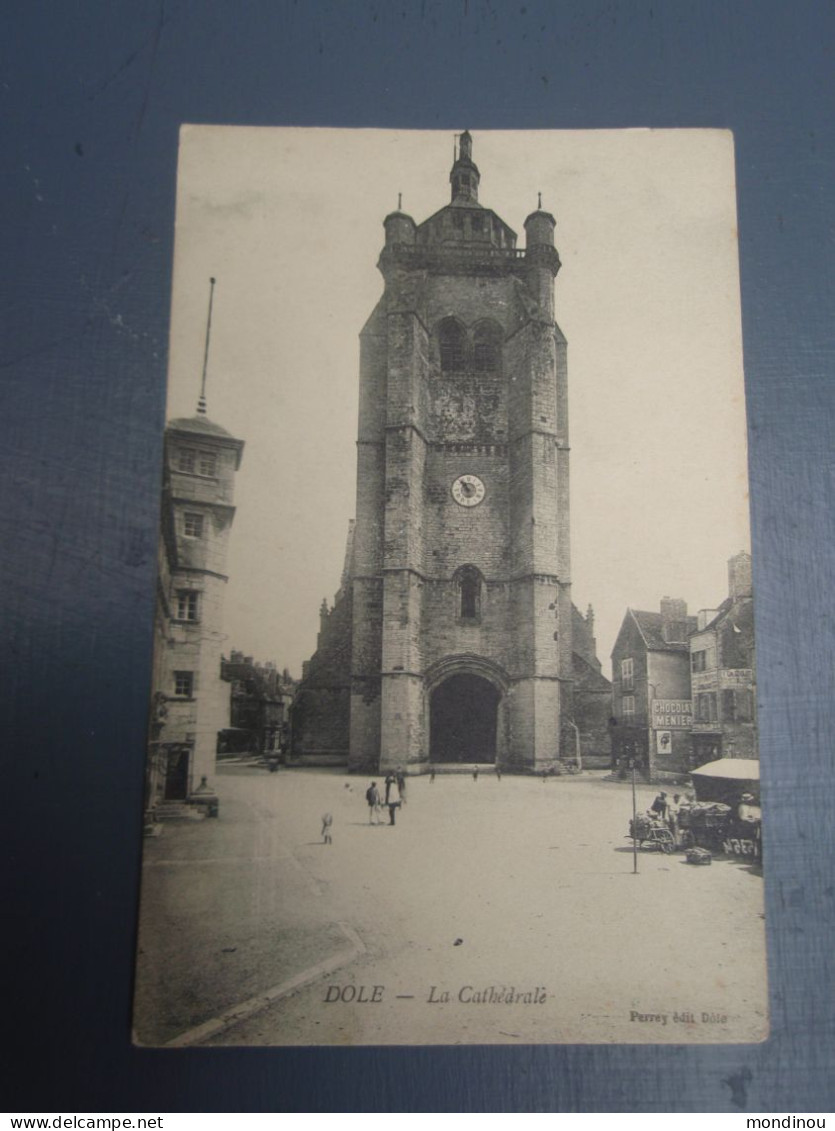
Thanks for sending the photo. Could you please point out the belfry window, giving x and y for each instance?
(451, 340)
(469, 593)
(487, 347)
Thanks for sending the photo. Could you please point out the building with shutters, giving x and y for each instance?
(652, 710)
(723, 673)
(190, 703)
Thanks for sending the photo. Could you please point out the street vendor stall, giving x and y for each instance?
(725, 816)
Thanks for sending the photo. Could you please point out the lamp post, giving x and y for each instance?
(634, 821)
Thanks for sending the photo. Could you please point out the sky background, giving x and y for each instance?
(290, 224)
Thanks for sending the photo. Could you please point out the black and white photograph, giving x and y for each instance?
(453, 731)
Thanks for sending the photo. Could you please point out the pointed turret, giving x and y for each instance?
(464, 176)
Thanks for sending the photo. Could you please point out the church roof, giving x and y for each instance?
(588, 677)
(464, 205)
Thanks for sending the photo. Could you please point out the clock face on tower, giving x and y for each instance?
(468, 490)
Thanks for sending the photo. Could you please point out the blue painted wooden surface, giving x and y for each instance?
(93, 95)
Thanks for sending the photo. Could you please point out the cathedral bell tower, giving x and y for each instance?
(461, 615)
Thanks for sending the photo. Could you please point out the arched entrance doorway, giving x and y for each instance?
(463, 718)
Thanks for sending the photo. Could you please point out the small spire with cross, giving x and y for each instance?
(399, 201)
(539, 200)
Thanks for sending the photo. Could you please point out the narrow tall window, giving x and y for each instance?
(207, 464)
(627, 674)
(706, 707)
(628, 706)
(184, 684)
(487, 348)
(193, 525)
(187, 459)
(451, 339)
(728, 706)
(469, 593)
(187, 604)
(745, 705)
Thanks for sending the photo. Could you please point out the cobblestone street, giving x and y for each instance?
(493, 912)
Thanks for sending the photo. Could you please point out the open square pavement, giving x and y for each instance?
(494, 911)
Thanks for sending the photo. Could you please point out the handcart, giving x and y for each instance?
(652, 832)
(703, 824)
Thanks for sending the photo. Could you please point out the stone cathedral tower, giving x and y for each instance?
(451, 638)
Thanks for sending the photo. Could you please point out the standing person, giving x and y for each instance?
(748, 811)
(372, 796)
(498, 772)
(390, 784)
(327, 821)
(673, 808)
(475, 773)
(431, 775)
(392, 799)
(659, 806)
(401, 783)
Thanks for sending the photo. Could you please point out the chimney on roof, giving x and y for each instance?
(704, 617)
(739, 576)
(674, 620)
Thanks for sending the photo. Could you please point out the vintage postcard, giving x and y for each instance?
(453, 729)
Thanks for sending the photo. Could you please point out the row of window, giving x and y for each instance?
(698, 663)
(195, 461)
(737, 706)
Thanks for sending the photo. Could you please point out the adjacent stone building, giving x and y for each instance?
(723, 673)
(684, 688)
(260, 698)
(452, 638)
(190, 704)
(652, 710)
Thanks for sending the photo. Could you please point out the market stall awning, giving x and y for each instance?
(738, 769)
(727, 779)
